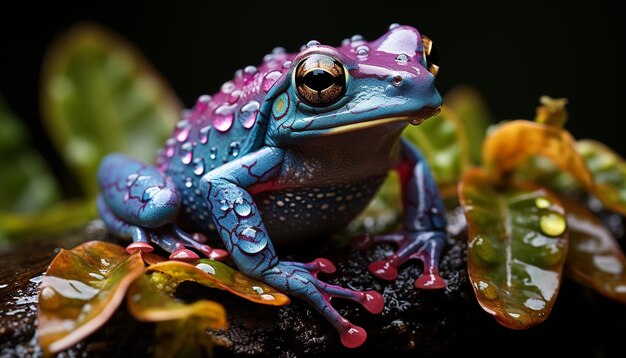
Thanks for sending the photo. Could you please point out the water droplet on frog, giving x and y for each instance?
(181, 134)
(227, 87)
(169, 143)
(362, 51)
(268, 58)
(278, 50)
(149, 193)
(345, 42)
(188, 182)
(186, 153)
(356, 38)
(286, 64)
(233, 149)
(402, 58)
(243, 209)
(234, 96)
(213, 153)
(204, 134)
(250, 70)
(269, 80)
(249, 233)
(223, 117)
(312, 43)
(130, 180)
(394, 26)
(238, 74)
(203, 102)
(185, 114)
(198, 166)
(249, 112)
(224, 205)
(542, 202)
(552, 224)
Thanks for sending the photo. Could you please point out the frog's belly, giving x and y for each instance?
(295, 214)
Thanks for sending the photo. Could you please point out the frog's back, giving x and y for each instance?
(220, 128)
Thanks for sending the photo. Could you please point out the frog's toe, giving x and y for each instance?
(384, 269)
(184, 255)
(351, 335)
(139, 246)
(214, 254)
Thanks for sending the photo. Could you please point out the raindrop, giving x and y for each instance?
(182, 134)
(130, 180)
(402, 58)
(243, 209)
(249, 233)
(206, 268)
(224, 205)
(213, 153)
(362, 51)
(188, 182)
(250, 70)
(204, 134)
(186, 153)
(552, 224)
(198, 166)
(278, 50)
(312, 43)
(258, 289)
(542, 202)
(223, 118)
(394, 26)
(169, 152)
(238, 74)
(268, 58)
(149, 193)
(345, 42)
(249, 112)
(286, 64)
(234, 96)
(203, 102)
(269, 80)
(233, 149)
(228, 87)
(356, 38)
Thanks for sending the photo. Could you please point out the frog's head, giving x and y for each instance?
(386, 83)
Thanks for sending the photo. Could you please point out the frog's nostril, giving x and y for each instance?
(397, 81)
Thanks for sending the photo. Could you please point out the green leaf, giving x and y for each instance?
(517, 248)
(81, 290)
(594, 256)
(100, 95)
(213, 273)
(26, 182)
(609, 173)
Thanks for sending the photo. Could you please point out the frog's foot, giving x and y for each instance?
(176, 242)
(425, 246)
(300, 279)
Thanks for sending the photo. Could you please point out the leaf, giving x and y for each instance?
(609, 173)
(511, 144)
(183, 338)
(26, 181)
(594, 256)
(99, 95)
(81, 290)
(517, 248)
(213, 273)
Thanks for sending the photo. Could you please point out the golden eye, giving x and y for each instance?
(431, 55)
(320, 80)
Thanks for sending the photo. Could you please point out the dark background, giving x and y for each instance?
(511, 53)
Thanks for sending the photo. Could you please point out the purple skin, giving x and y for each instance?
(290, 150)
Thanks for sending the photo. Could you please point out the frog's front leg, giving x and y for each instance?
(140, 202)
(239, 224)
(424, 234)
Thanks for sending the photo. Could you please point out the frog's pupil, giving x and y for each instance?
(319, 80)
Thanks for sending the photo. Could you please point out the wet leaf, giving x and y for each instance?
(26, 181)
(517, 248)
(99, 95)
(609, 173)
(81, 290)
(594, 256)
(511, 144)
(213, 273)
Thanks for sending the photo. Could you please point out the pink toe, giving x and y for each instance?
(430, 282)
(361, 242)
(383, 270)
(218, 254)
(184, 255)
(199, 237)
(352, 336)
(325, 265)
(373, 302)
(139, 246)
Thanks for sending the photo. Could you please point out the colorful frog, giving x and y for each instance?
(291, 150)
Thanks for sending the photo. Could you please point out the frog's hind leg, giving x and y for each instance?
(121, 228)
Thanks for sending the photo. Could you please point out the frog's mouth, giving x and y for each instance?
(413, 118)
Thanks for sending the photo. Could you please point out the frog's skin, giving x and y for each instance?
(270, 158)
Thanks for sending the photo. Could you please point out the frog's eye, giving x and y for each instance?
(320, 80)
(431, 55)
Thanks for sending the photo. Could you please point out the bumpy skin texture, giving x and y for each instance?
(263, 160)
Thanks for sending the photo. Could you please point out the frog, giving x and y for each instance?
(287, 152)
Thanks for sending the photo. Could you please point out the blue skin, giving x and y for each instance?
(303, 170)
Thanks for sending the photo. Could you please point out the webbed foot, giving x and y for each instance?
(425, 246)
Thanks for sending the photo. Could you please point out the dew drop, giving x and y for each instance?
(258, 290)
(188, 182)
(227, 87)
(182, 134)
(487, 290)
(552, 224)
(286, 64)
(362, 51)
(223, 118)
(203, 102)
(269, 80)
(312, 43)
(250, 70)
(233, 149)
(249, 233)
(149, 193)
(345, 42)
(542, 202)
(243, 209)
(356, 38)
(169, 152)
(186, 153)
(213, 153)
(278, 50)
(249, 113)
(130, 180)
(198, 166)
(402, 58)
(225, 205)
(206, 268)
(394, 26)
(268, 58)
(204, 134)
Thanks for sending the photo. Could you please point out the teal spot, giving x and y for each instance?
(281, 106)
